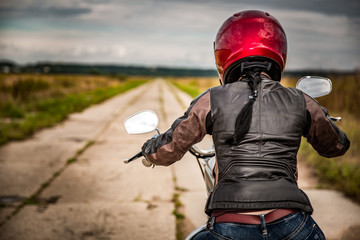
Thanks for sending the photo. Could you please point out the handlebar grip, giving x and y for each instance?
(139, 154)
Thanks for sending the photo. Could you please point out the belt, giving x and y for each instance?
(253, 219)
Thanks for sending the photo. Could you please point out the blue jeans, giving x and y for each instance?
(294, 226)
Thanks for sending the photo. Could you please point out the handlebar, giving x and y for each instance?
(136, 156)
(200, 153)
(196, 151)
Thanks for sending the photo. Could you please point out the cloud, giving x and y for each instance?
(28, 47)
(42, 12)
(177, 33)
(329, 7)
(85, 51)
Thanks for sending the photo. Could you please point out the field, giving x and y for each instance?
(32, 102)
(342, 173)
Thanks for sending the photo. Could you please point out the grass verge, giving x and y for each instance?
(19, 119)
(341, 173)
(192, 89)
(194, 86)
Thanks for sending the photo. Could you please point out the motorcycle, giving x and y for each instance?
(147, 121)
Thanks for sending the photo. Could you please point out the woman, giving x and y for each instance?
(257, 125)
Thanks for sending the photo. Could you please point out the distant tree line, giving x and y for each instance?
(7, 66)
(99, 69)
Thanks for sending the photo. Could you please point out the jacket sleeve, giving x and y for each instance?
(187, 130)
(325, 137)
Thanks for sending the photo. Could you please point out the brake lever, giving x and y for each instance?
(335, 119)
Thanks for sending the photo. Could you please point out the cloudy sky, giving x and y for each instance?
(321, 33)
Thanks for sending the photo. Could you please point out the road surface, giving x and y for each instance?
(78, 187)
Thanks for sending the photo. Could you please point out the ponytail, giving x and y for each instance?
(243, 120)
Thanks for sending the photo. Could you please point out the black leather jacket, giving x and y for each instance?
(260, 172)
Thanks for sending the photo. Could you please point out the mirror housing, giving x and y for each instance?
(141, 122)
(314, 86)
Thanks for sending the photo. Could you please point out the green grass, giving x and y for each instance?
(10, 110)
(194, 86)
(334, 173)
(21, 116)
(179, 216)
(341, 173)
(178, 210)
(190, 89)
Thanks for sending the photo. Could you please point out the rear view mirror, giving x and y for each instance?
(141, 122)
(314, 86)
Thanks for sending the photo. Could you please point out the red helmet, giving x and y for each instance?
(250, 36)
